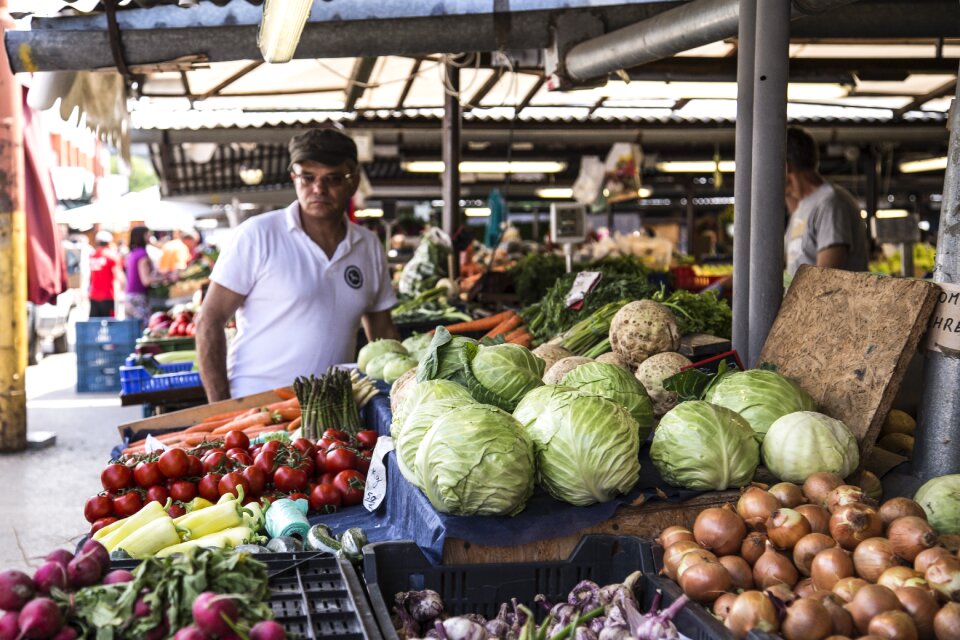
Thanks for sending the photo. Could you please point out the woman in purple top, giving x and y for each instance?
(140, 275)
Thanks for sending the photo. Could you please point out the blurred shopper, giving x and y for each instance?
(104, 271)
(175, 254)
(140, 275)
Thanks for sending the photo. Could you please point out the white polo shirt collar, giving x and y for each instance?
(295, 224)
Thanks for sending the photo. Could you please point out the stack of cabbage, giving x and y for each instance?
(389, 359)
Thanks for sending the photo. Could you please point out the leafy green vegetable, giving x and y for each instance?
(617, 384)
(940, 499)
(802, 443)
(760, 396)
(693, 384)
(425, 392)
(698, 312)
(534, 274)
(415, 427)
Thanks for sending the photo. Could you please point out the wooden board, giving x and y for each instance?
(644, 521)
(847, 338)
(698, 346)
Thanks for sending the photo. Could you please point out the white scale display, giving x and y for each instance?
(568, 226)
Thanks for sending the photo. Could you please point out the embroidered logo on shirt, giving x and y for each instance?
(353, 276)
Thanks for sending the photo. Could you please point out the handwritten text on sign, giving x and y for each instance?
(376, 488)
(944, 332)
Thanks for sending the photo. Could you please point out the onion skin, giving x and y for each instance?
(946, 624)
(753, 547)
(752, 610)
(788, 494)
(846, 588)
(943, 576)
(872, 557)
(818, 485)
(841, 620)
(785, 527)
(721, 606)
(693, 558)
(893, 624)
(869, 601)
(704, 582)
(806, 619)
(755, 506)
(950, 541)
(853, 523)
(773, 568)
(926, 558)
(829, 566)
(910, 535)
(740, 572)
(922, 607)
(871, 485)
(896, 577)
(846, 494)
(719, 530)
(781, 592)
(808, 547)
(674, 534)
(805, 588)
(674, 553)
(818, 517)
(898, 508)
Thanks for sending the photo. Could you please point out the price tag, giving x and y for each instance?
(582, 285)
(944, 332)
(376, 489)
(152, 444)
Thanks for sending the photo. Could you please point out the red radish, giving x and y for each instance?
(190, 633)
(16, 589)
(61, 556)
(141, 608)
(117, 576)
(9, 627)
(211, 612)
(268, 630)
(84, 571)
(98, 552)
(50, 574)
(67, 633)
(159, 632)
(40, 618)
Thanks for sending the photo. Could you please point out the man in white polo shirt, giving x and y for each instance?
(301, 280)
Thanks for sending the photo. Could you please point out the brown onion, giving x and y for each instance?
(753, 547)
(893, 624)
(898, 508)
(773, 568)
(721, 606)
(809, 546)
(846, 494)
(704, 582)
(673, 554)
(869, 601)
(781, 592)
(788, 494)
(817, 486)
(922, 607)
(719, 530)
(846, 588)
(926, 558)
(943, 576)
(872, 557)
(818, 517)
(752, 609)
(673, 534)
(946, 624)
(785, 527)
(805, 588)
(853, 523)
(830, 565)
(949, 541)
(841, 620)
(806, 619)
(871, 485)
(910, 535)
(896, 577)
(740, 572)
(755, 506)
(693, 558)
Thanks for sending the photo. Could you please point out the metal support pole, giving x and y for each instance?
(871, 174)
(771, 69)
(906, 260)
(13, 259)
(935, 451)
(452, 120)
(746, 48)
(689, 219)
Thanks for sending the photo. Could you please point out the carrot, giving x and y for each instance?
(283, 404)
(262, 418)
(482, 324)
(209, 425)
(270, 428)
(170, 438)
(193, 439)
(228, 415)
(506, 326)
(284, 393)
(288, 414)
(294, 425)
(516, 333)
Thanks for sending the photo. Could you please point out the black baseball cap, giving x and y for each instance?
(326, 146)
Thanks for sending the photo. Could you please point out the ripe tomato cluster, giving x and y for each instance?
(329, 474)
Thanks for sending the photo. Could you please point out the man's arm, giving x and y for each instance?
(833, 257)
(218, 306)
(379, 324)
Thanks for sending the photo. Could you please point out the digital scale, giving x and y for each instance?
(568, 226)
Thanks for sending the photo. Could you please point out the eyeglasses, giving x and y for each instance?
(329, 181)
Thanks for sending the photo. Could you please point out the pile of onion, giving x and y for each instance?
(817, 561)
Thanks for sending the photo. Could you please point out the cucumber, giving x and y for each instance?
(320, 538)
(284, 544)
(351, 544)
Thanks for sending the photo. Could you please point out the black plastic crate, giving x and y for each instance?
(392, 567)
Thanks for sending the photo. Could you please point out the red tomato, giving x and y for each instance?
(116, 476)
(367, 439)
(209, 487)
(289, 479)
(230, 483)
(336, 434)
(266, 462)
(236, 440)
(256, 478)
(304, 446)
(97, 508)
(326, 478)
(320, 462)
(326, 443)
(255, 451)
(298, 495)
(100, 524)
(306, 465)
(196, 467)
(272, 445)
(183, 490)
(240, 457)
(350, 484)
(174, 463)
(216, 461)
(148, 474)
(176, 510)
(363, 462)
(127, 504)
(341, 459)
(325, 498)
(157, 492)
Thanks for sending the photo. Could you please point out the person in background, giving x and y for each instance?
(301, 281)
(104, 269)
(175, 256)
(191, 239)
(140, 275)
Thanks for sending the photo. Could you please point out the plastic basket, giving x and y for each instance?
(392, 567)
(685, 278)
(98, 379)
(178, 376)
(108, 331)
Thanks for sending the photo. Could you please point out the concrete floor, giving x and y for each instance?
(43, 491)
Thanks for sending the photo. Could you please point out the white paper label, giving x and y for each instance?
(582, 285)
(152, 444)
(376, 489)
(944, 332)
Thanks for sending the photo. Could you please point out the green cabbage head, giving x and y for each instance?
(447, 358)
(377, 348)
(760, 396)
(415, 426)
(476, 460)
(417, 345)
(617, 384)
(397, 367)
(704, 447)
(426, 392)
(940, 499)
(802, 443)
(376, 366)
(587, 447)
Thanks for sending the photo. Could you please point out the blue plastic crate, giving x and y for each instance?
(107, 331)
(98, 379)
(137, 380)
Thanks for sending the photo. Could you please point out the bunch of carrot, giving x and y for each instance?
(508, 324)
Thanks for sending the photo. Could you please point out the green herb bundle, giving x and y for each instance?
(698, 312)
(534, 274)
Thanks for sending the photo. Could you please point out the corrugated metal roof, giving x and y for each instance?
(19, 8)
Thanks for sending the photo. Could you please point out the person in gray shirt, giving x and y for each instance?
(825, 227)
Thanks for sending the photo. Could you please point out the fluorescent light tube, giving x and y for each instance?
(892, 213)
(281, 27)
(927, 164)
(477, 212)
(555, 192)
(701, 166)
(486, 166)
(369, 213)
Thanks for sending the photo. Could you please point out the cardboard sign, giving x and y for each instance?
(376, 488)
(944, 332)
(582, 285)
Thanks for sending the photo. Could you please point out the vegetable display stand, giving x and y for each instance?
(393, 567)
(162, 345)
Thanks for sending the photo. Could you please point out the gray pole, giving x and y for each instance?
(871, 173)
(771, 69)
(451, 155)
(689, 218)
(935, 451)
(746, 47)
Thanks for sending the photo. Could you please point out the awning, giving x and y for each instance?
(144, 207)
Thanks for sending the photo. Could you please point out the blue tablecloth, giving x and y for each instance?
(406, 514)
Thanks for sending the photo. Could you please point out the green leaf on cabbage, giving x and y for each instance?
(376, 348)
(802, 443)
(415, 427)
(424, 392)
(616, 384)
(760, 396)
(940, 499)
(448, 357)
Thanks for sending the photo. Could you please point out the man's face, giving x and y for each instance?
(322, 190)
